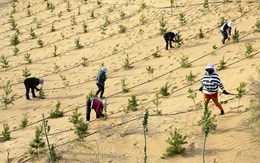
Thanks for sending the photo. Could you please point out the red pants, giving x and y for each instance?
(214, 98)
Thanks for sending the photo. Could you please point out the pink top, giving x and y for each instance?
(97, 105)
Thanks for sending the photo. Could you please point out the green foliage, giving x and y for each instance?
(193, 96)
(182, 18)
(206, 4)
(64, 80)
(26, 72)
(37, 145)
(60, 14)
(92, 14)
(163, 28)
(14, 8)
(127, 64)
(249, 50)
(32, 33)
(150, 70)
(124, 85)
(103, 29)
(90, 95)
(28, 12)
(115, 49)
(185, 61)
(53, 155)
(201, 34)
(50, 6)
(222, 21)
(143, 19)
(85, 27)
(179, 39)
(175, 141)
(99, 3)
(55, 51)
(75, 118)
(16, 50)
(5, 62)
(41, 94)
(132, 104)
(143, 5)
(24, 121)
(241, 9)
(156, 53)
(214, 46)
(13, 23)
(257, 26)
(157, 102)
(122, 14)
(7, 98)
(222, 64)
(241, 91)
(78, 45)
(122, 29)
(27, 58)
(164, 89)
(15, 39)
(235, 36)
(53, 27)
(56, 113)
(107, 21)
(73, 20)
(40, 43)
(145, 129)
(79, 11)
(68, 6)
(190, 78)
(56, 68)
(84, 61)
(6, 133)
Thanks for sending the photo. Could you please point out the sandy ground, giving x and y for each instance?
(120, 137)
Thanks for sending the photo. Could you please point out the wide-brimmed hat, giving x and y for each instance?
(209, 66)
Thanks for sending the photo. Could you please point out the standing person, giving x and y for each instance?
(170, 37)
(100, 81)
(32, 83)
(211, 82)
(97, 105)
(226, 31)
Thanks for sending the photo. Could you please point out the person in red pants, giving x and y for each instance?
(97, 105)
(211, 82)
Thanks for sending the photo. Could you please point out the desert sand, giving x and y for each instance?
(120, 137)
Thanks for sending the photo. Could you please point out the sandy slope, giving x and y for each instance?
(120, 137)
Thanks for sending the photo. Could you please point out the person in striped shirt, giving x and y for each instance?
(211, 82)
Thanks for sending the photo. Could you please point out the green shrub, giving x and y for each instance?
(40, 43)
(185, 61)
(27, 58)
(24, 121)
(249, 50)
(190, 78)
(156, 53)
(124, 85)
(56, 113)
(6, 133)
(78, 45)
(222, 21)
(90, 95)
(37, 145)
(132, 104)
(32, 33)
(257, 26)
(164, 89)
(235, 36)
(201, 34)
(26, 72)
(5, 62)
(143, 19)
(222, 64)
(73, 20)
(127, 63)
(64, 80)
(53, 27)
(163, 28)
(122, 29)
(84, 61)
(7, 98)
(85, 27)
(16, 50)
(182, 18)
(241, 91)
(15, 40)
(157, 102)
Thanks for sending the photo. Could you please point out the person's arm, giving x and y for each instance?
(36, 83)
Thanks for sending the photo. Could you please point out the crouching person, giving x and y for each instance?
(97, 105)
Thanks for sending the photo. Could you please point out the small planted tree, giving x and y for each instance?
(127, 64)
(185, 61)
(15, 39)
(222, 64)
(24, 121)
(235, 36)
(206, 4)
(150, 70)
(53, 27)
(163, 28)
(91, 94)
(257, 26)
(27, 58)
(37, 145)
(50, 6)
(77, 43)
(122, 29)
(32, 33)
(156, 53)
(214, 46)
(55, 51)
(122, 14)
(40, 43)
(68, 6)
(56, 113)
(222, 21)
(107, 21)
(240, 9)
(142, 19)
(124, 85)
(41, 94)
(249, 50)
(73, 20)
(182, 18)
(6, 132)
(241, 91)
(85, 27)
(164, 91)
(16, 50)
(179, 40)
(157, 102)
(193, 96)
(201, 34)
(26, 72)
(190, 78)
(84, 61)
(92, 14)
(115, 49)
(64, 80)
(207, 123)
(132, 104)
(13, 23)
(145, 129)
(28, 12)
(56, 68)
(5, 62)
(7, 98)
(176, 142)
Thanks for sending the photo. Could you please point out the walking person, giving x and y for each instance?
(100, 81)
(170, 37)
(97, 105)
(32, 83)
(211, 82)
(225, 30)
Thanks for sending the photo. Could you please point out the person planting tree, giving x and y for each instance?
(170, 37)
(32, 83)
(211, 82)
(225, 30)
(97, 105)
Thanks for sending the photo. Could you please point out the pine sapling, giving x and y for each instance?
(53, 27)
(64, 80)
(127, 64)
(171, 1)
(41, 94)
(13, 23)
(27, 58)
(185, 61)
(32, 33)
(222, 21)
(16, 50)
(182, 18)
(29, 13)
(193, 96)
(179, 40)
(214, 46)
(7, 98)
(55, 51)
(156, 53)
(85, 27)
(40, 43)
(222, 64)
(145, 129)
(240, 9)
(235, 36)
(257, 26)
(241, 91)
(122, 14)
(84, 61)
(249, 50)
(56, 113)
(201, 34)
(206, 4)
(124, 85)
(68, 6)
(56, 68)
(190, 78)
(132, 104)
(164, 91)
(90, 95)
(163, 28)
(15, 39)
(122, 29)
(143, 5)
(24, 121)
(73, 20)
(150, 70)
(6, 132)
(92, 14)
(115, 49)
(142, 19)
(37, 145)
(26, 72)
(78, 45)
(157, 102)
(5, 62)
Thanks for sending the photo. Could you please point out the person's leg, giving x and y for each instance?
(102, 91)
(27, 93)
(225, 36)
(215, 100)
(171, 44)
(206, 99)
(166, 40)
(33, 93)
(99, 89)
(88, 110)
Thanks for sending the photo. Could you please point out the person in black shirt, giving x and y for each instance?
(226, 31)
(170, 37)
(32, 83)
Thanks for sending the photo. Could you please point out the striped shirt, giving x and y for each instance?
(211, 83)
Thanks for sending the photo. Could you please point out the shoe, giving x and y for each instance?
(103, 97)
(27, 98)
(222, 112)
(35, 97)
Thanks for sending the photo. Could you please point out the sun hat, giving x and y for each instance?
(41, 81)
(176, 33)
(230, 24)
(104, 68)
(210, 66)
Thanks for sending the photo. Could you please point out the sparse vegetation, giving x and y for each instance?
(249, 50)
(214, 46)
(124, 85)
(37, 145)
(222, 64)
(68, 6)
(56, 113)
(142, 19)
(164, 91)
(32, 33)
(6, 133)
(201, 34)
(26, 72)
(257, 26)
(179, 39)
(64, 80)
(53, 27)
(185, 61)
(157, 102)
(40, 43)
(56, 68)
(156, 53)
(222, 21)
(16, 50)
(41, 94)
(190, 78)
(73, 20)
(241, 91)
(235, 36)
(55, 51)
(182, 18)
(85, 27)
(77, 43)
(122, 14)
(27, 58)
(24, 121)
(163, 28)
(15, 39)
(122, 29)
(206, 4)
(5, 62)
(127, 64)
(92, 14)
(240, 9)
(91, 94)
(150, 70)
(132, 104)
(84, 61)
(7, 98)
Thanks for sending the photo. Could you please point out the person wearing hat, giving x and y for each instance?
(97, 105)
(225, 30)
(211, 82)
(32, 83)
(170, 37)
(100, 81)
